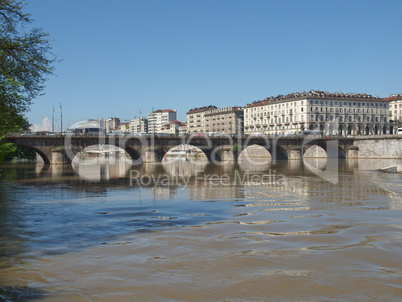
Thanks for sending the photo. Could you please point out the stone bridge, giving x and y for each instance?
(57, 149)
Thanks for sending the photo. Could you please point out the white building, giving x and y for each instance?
(88, 126)
(395, 111)
(138, 125)
(159, 118)
(333, 113)
(112, 123)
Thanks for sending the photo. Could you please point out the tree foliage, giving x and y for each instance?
(25, 62)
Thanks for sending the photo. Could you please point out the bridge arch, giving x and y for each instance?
(255, 154)
(45, 157)
(280, 153)
(100, 153)
(185, 152)
(320, 148)
(315, 151)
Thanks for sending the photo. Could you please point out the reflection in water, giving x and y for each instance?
(318, 163)
(230, 232)
(100, 167)
(184, 169)
(254, 167)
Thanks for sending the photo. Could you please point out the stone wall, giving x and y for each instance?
(379, 147)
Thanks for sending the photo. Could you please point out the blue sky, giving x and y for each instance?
(121, 57)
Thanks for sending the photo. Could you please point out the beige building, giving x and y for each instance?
(172, 127)
(183, 129)
(125, 127)
(159, 118)
(224, 120)
(332, 113)
(195, 119)
(139, 125)
(395, 111)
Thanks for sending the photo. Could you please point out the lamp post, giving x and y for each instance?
(61, 125)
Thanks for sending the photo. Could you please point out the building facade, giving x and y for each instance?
(124, 127)
(159, 118)
(88, 126)
(112, 123)
(332, 113)
(224, 120)
(395, 111)
(139, 125)
(183, 129)
(196, 120)
(172, 127)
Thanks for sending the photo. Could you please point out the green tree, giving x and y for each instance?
(25, 62)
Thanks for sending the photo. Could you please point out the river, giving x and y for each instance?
(179, 232)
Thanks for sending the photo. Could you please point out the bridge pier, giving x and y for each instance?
(59, 157)
(150, 155)
(295, 152)
(352, 152)
(227, 154)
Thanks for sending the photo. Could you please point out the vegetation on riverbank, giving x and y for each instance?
(25, 61)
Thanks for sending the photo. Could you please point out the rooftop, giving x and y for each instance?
(163, 110)
(175, 122)
(202, 109)
(314, 94)
(393, 97)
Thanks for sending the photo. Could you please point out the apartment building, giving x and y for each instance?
(139, 125)
(125, 127)
(158, 118)
(395, 111)
(172, 127)
(183, 129)
(227, 120)
(196, 120)
(112, 123)
(333, 113)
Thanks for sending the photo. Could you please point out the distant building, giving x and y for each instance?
(333, 113)
(196, 120)
(183, 129)
(112, 123)
(172, 127)
(395, 111)
(139, 125)
(125, 127)
(224, 120)
(88, 126)
(159, 118)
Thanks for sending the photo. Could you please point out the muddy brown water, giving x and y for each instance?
(278, 232)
